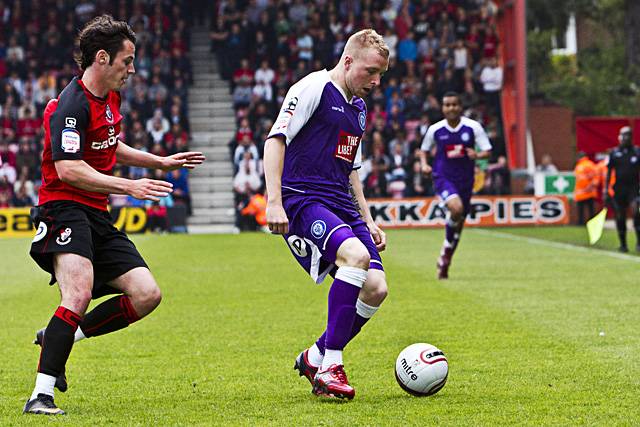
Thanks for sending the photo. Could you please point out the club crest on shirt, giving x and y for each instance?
(65, 237)
(318, 228)
(464, 136)
(362, 120)
(109, 114)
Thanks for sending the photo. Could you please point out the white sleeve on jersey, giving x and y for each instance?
(299, 105)
(481, 138)
(428, 140)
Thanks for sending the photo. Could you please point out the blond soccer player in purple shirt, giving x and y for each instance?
(311, 160)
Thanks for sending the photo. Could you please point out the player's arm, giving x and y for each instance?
(298, 106)
(79, 174)
(482, 142)
(129, 156)
(67, 130)
(427, 143)
(274, 149)
(482, 154)
(379, 236)
(424, 163)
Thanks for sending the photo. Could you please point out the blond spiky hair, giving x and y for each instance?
(366, 39)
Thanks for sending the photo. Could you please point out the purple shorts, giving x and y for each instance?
(446, 189)
(316, 233)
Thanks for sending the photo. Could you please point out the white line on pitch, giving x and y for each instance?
(558, 245)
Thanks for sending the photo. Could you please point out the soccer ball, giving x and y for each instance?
(422, 369)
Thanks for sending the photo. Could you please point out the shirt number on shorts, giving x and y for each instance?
(298, 246)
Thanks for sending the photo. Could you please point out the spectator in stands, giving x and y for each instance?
(246, 144)
(498, 177)
(546, 165)
(6, 190)
(376, 183)
(181, 194)
(170, 138)
(304, 45)
(247, 180)
(417, 184)
(242, 94)
(491, 79)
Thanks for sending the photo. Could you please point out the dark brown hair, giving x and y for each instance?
(102, 32)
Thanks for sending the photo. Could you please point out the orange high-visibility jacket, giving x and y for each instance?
(587, 179)
(257, 207)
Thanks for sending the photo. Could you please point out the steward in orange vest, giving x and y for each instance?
(586, 190)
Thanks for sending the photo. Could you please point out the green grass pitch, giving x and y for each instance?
(537, 329)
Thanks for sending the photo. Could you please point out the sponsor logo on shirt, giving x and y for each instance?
(318, 228)
(340, 108)
(291, 105)
(347, 146)
(70, 122)
(70, 141)
(111, 141)
(108, 114)
(65, 237)
(454, 151)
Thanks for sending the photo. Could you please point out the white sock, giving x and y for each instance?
(331, 357)
(365, 310)
(79, 335)
(44, 384)
(314, 356)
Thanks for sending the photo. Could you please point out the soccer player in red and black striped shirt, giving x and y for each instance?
(76, 241)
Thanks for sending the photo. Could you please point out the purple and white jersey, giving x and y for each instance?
(322, 131)
(451, 161)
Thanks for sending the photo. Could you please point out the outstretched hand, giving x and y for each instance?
(189, 160)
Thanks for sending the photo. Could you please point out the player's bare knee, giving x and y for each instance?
(374, 291)
(353, 253)
(76, 300)
(359, 259)
(147, 298)
(381, 291)
(154, 297)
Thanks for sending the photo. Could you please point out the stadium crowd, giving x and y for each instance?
(36, 63)
(436, 46)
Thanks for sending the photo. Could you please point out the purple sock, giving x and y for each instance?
(342, 313)
(452, 234)
(358, 323)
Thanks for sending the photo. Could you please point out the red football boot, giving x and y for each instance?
(333, 383)
(443, 263)
(305, 368)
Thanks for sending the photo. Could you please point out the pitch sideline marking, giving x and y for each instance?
(557, 245)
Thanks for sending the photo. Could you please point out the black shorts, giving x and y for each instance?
(71, 227)
(624, 196)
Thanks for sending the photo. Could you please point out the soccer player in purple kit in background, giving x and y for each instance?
(452, 142)
(311, 161)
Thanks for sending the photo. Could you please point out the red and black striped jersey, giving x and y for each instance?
(79, 126)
